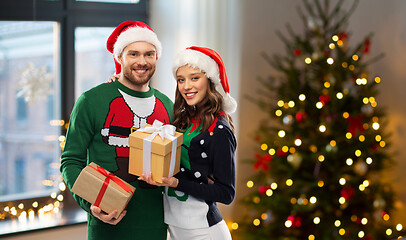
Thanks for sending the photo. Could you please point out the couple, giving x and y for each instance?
(101, 122)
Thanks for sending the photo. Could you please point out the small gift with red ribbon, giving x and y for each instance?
(155, 149)
(103, 189)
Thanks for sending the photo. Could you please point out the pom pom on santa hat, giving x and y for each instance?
(209, 62)
(127, 33)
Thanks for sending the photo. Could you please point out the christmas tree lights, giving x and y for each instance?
(321, 152)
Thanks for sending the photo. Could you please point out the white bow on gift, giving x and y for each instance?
(164, 131)
(158, 128)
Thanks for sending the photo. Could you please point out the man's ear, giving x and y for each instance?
(120, 59)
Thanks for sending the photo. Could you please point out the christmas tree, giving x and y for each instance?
(322, 150)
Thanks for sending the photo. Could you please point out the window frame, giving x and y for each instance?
(70, 14)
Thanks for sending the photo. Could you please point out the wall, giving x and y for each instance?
(209, 23)
(261, 18)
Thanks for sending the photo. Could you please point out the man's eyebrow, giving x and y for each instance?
(135, 51)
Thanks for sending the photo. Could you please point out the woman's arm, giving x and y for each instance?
(221, 157)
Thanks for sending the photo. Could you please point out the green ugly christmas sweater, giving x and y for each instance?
(99, 126)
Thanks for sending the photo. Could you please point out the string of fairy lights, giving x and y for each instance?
(23, 211)
(294, 158)
(38, 209)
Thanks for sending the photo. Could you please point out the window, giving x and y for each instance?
(19, 174)
(93, 63)
(28, 135)
(21, 109)
(50, 52)
(111, 1)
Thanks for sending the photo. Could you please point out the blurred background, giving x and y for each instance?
(53, 50)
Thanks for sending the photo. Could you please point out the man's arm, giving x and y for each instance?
(74, 155)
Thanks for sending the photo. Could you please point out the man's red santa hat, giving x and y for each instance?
(209, 62)
(127, 33)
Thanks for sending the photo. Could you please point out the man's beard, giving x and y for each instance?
(139, 81)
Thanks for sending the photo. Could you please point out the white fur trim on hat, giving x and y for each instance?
(199, 60)
(229, 105)
(136, 34)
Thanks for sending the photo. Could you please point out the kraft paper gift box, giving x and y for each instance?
(103, 189)
(159, 156)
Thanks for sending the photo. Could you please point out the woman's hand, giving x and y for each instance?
(169, 182)
(106, 218)
(113, 78)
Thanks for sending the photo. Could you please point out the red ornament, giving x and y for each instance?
(297, 52)
(355, 124)
(367, 45)
(300, 116)
(342, 36)
(262, 162)
(347, 193)
(262, 189)
(281, 153)
(325, 99)
(296, 221)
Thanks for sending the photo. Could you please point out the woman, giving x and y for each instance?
(207, 173)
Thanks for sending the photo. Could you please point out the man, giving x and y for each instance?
(100, 124)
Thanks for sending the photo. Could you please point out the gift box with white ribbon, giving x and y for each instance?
(155, 149)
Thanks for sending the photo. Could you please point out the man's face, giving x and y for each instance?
(138, 62)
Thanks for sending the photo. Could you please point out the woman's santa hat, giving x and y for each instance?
(209, 62)
(127, 33)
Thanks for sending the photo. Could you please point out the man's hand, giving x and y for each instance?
(106, 218)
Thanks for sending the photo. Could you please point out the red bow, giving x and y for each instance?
(262, 162)
(109, 176)
(355, 124)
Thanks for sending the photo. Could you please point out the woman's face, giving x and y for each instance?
(192, 84)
